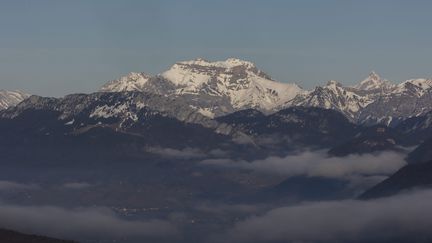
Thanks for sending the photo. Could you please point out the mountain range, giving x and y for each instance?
(215, 89)
(212, 88)
(237, 100)
(219, 88)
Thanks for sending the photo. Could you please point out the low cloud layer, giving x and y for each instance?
(77, 185)
(405, 218)
(229, 208)
(318, 163)
(87, 223)
(14, 186)
(186, 153)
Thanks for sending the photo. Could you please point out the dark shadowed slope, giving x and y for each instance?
(369, 140)
(293, 127)
(413, 176)
(422, 153)
(417, 174)
(8, 236)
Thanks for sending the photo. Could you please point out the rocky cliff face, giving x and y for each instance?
(11, 98)
(212, 88)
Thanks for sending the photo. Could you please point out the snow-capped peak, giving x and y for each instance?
(420, 82)
(417, 87)
(233, 62)
(374, 76)
(373, 82)
(131, 82)
(214, 87)
(228, 63)
(333, 83)
(240, 81)
(11, 98)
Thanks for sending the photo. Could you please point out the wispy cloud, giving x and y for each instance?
(83, 223)
(13, 186)
(186, 153)
(318, 163)
(77, 185)
(405, 218)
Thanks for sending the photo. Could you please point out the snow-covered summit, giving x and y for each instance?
(228, 63)
(413, 87)
(216, 88)
(11, 98)
(131, 82)
(374, 82)
(334, 96)
(333, 84)
(197, 72)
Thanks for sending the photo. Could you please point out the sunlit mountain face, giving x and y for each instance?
(218, 151)
(11, 98)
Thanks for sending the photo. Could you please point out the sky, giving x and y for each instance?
(57, 47)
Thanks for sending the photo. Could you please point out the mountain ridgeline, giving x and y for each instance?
(211, 94)
(236, 104)
(215, 89)
(219, 88)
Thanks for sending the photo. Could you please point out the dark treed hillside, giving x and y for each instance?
(8, 236)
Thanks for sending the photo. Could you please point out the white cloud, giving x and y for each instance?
(76, 185)
(404, 218)
(186, 153)
(12, 186)
(318, 163)
(80, 224)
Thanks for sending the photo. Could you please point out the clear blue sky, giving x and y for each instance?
(55, 47)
